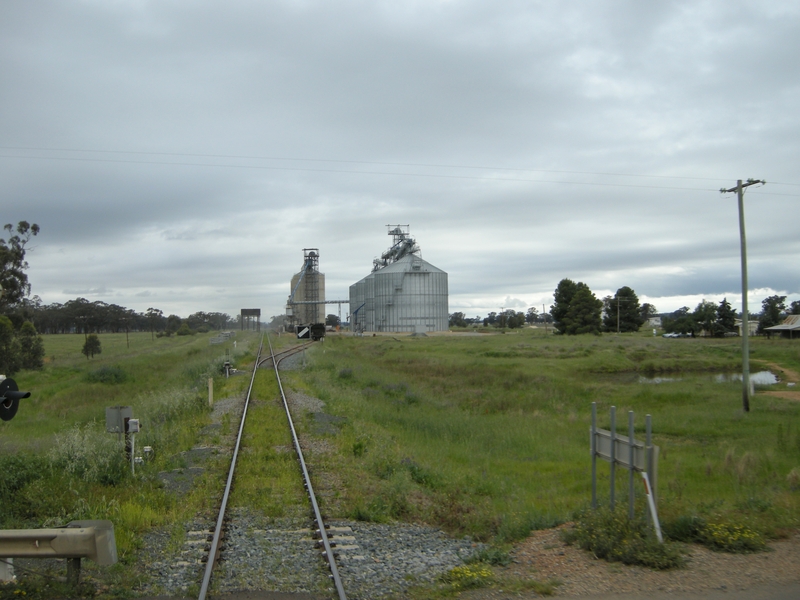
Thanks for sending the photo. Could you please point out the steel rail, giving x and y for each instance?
(212, 553)
(285, 353)
(309, 488)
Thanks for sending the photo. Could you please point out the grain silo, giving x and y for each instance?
(403, 292)
(306, 304)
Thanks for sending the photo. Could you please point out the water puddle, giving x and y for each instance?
(759, 378)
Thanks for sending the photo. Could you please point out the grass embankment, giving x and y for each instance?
(58, 463)
(488, 435)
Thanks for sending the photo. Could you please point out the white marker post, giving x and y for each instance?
(652, 506)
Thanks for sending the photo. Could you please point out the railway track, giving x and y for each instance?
(321, 532)
(274, 554)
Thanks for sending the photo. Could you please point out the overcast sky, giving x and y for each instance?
(181, 154)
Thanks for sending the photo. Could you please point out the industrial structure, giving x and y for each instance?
(403, 292)
(306, 303)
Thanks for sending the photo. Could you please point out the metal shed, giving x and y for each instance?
(788, 328)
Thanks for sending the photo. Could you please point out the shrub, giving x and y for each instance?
(723, 537)
(16, 472)
(468, 576)
(91, 346)
(732, 538)
(612, 536)
(516, 527)
(31, 347)
(111, 375)
(359, 448)
(685, 529)
(491, 556)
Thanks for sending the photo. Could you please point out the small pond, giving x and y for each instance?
(759, 378)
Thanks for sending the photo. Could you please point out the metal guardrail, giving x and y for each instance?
(79, 539)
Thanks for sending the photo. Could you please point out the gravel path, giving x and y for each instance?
(543, 556)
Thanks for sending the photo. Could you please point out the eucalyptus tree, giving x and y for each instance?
(14, 284)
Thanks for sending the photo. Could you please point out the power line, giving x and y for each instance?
(363, 172)
(363, 162)
(354, 172)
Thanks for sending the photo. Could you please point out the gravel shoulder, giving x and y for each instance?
(543, 556)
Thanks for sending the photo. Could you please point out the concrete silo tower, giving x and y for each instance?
(306, 304)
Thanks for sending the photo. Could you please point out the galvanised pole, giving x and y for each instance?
(745, 314)
(631, 491)
(613, 455)
(739, 189)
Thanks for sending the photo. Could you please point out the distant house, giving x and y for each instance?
(752, 326)
(787, 328)
(653, 322)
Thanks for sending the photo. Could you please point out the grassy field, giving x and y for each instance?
(488, 435)
(485, 435)
(58, 464)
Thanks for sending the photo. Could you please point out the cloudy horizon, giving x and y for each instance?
(181, 154)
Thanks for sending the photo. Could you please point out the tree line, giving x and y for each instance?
(24, 318)
(720, 319)
(509, 318)
(83, 316)
(577, 310)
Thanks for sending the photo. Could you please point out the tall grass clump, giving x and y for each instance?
(110, 375)
(17, 471)
(90, 454)
(613, 536)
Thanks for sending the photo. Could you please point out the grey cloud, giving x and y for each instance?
(579, 92)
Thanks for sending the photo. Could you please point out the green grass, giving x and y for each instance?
(484, 436)
(57, 463)
(488, 436)
(267, 473)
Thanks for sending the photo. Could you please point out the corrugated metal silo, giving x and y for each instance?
(404, 293)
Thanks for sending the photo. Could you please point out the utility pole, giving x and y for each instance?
(739, 189)
(545, 319)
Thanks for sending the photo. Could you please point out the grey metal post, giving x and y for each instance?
(739, 189)
(745, 316)
(594, 455)
(613, 452)
(73, 571)
(631, 494)
(648, 454)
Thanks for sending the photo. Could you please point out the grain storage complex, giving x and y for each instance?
(403, 292)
